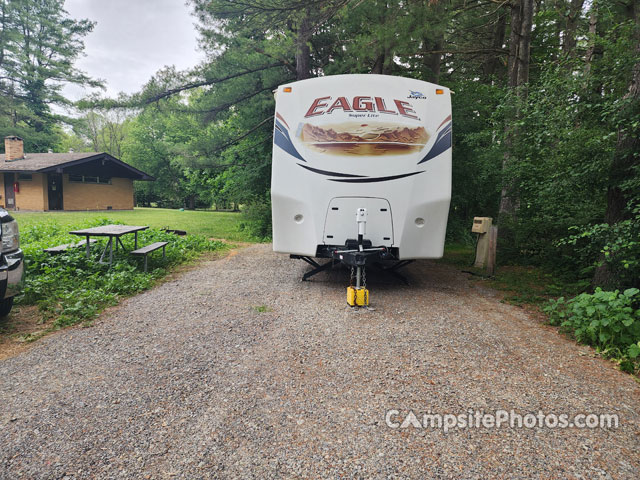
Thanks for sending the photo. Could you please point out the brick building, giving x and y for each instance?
(65, 181)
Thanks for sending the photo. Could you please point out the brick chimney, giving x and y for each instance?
(13, 148)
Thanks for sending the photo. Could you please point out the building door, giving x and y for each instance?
(55, 191)
(9, 194)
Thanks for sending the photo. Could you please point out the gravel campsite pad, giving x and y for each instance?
(236, 369)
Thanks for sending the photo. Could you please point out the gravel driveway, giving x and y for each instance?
(189, 380)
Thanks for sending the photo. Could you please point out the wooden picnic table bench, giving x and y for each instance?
(150, 248)
(114, 232)
(67, 246)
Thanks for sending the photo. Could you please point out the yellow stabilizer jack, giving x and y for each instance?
(357, 297)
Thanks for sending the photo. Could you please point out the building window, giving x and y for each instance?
(89, 179)
(25, 177)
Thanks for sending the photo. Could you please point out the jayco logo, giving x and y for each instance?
(416, 95)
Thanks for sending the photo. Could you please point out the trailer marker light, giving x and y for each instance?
(286, 89)
(439, 91)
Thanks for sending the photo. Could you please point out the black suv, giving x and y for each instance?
(11, 262)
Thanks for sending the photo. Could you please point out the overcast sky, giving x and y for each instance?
(132, 40)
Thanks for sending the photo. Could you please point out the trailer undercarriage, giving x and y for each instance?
(381, 259)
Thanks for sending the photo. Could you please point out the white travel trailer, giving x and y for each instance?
(350, 142)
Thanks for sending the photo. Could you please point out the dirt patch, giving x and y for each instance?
(16, 330)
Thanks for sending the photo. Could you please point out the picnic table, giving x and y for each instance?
(111, 231)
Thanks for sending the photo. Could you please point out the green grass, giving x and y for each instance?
(459, 254)
(522, 285)
(262, 308)
(224, 225)
(69, 288)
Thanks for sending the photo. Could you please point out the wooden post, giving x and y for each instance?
(493, 244)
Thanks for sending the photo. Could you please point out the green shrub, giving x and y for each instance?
(609, 321)
(71, 287)
(459, 230)
(617, 245)
(257, 219)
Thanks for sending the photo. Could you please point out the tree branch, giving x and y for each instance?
(190, 86)
(244, 135)
(473, 51)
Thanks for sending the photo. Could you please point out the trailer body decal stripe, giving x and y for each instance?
(331, 174)
(442, 143)
(281, 139)
(443, 122)
(285, 122)
(374, 179)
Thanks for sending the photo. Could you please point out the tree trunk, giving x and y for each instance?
(384, 63)
(571, 27)
(387, 66)
(524, 49)
(384, 60)
(520, 42)
(490, 65)
(378, 65)
(593, 24)
(514, 43)
(518, 77)
(303, 52)
(432, 61)
(624, 159)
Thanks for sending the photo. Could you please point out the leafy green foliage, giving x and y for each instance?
(561, 151)
(477, 156)
(610, 321)
(71, 288)
(257, 219)
(617, 245)
(39, 44)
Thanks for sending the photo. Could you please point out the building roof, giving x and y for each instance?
(73, 162)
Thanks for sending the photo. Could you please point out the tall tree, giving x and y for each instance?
(626, 157)
(39, 44)
(104, 128)
(518, 77)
